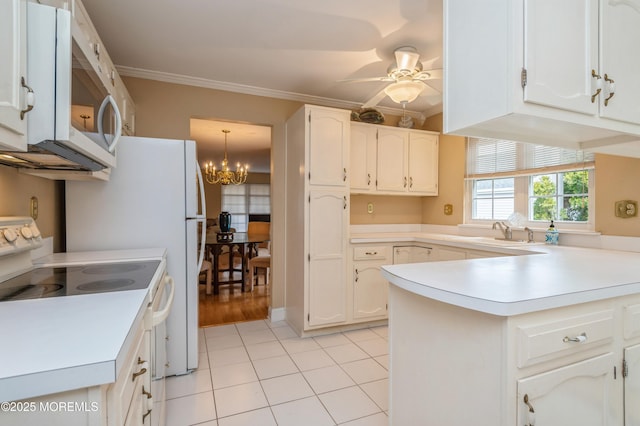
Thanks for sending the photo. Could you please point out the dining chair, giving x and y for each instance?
(262, 228)
(257, 263)
(206, 270)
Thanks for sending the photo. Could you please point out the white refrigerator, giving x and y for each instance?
(154, 198)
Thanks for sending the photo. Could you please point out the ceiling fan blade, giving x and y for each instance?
(375, 100)
(429, 91)
(432, 74)
(406, 58)
(361, 80)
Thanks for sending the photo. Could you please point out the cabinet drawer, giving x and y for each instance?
(371, 253)
(565, 336)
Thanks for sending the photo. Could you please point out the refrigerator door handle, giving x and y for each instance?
(202, 217)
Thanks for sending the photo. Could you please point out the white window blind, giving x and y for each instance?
(243, 200)
(499, 158)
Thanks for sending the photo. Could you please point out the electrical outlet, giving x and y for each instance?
(448, 209)
(626, 208)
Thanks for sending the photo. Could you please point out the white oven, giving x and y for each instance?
(58, 276)
(160, 308)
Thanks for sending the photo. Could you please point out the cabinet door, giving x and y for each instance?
(362, 157)
(632, 385)
(328, 145)
(12, 70)
(584, 393)
(560, 50)
(447, 254)
(423, 163)
(328, 216)
(620, 34)
(370, 290)
(392, 160)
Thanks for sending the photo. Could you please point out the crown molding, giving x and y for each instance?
(260, 91)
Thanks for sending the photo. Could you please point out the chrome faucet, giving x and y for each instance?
(505, 229)
(529, 234)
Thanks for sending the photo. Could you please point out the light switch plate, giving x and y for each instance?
(626, 208)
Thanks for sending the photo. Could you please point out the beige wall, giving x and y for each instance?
(386, 209)
(16, 190)
(617, 178)
(451, 170)
(163, 110)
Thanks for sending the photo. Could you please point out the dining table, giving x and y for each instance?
(242, 243)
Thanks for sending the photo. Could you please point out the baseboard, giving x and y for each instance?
(277, 314)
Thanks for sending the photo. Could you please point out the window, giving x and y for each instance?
(560, 196)
(539, 182)
(493, 198)
(243, 200)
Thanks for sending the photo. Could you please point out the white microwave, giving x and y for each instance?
(75, 124)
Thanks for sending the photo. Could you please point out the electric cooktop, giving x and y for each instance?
(58, 281)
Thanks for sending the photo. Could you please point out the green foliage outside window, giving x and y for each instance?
(569, 203)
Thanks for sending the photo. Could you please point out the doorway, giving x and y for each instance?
(245, 144)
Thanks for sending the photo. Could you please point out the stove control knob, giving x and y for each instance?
(10, 235)
(26, 232)
(34, 231)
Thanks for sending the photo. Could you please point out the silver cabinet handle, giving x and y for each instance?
(30, 99)
(580, 338)
(531, 414)
(612, 89)
(598, 85)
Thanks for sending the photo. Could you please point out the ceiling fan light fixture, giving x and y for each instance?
(404, 92)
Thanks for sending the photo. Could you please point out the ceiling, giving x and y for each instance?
(247, 143)
(287, 49)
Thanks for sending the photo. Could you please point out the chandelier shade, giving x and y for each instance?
(225, 176)
(404, 91)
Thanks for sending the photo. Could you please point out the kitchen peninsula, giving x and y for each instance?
(549, 337)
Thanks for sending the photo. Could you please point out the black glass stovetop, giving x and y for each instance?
(58, 281)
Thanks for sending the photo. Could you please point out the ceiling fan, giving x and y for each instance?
(409, 79)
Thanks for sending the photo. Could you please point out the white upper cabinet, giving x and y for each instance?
(620, 60)
(542, 71)
(363, 157)
(558, 68)
(328, 147)
(391, 160)
(14, 89)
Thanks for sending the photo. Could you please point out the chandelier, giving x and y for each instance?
(225, 176)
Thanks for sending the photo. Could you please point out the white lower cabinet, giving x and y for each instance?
(581, 393)
(631, 370)
(576, 365)
(127, 401)
(370, 289)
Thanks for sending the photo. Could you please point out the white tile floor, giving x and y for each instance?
(261, 374)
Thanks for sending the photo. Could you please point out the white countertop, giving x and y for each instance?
(61, 343)
(57, 344)
(539, 276)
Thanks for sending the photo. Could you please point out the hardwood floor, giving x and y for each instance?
(232, 305)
